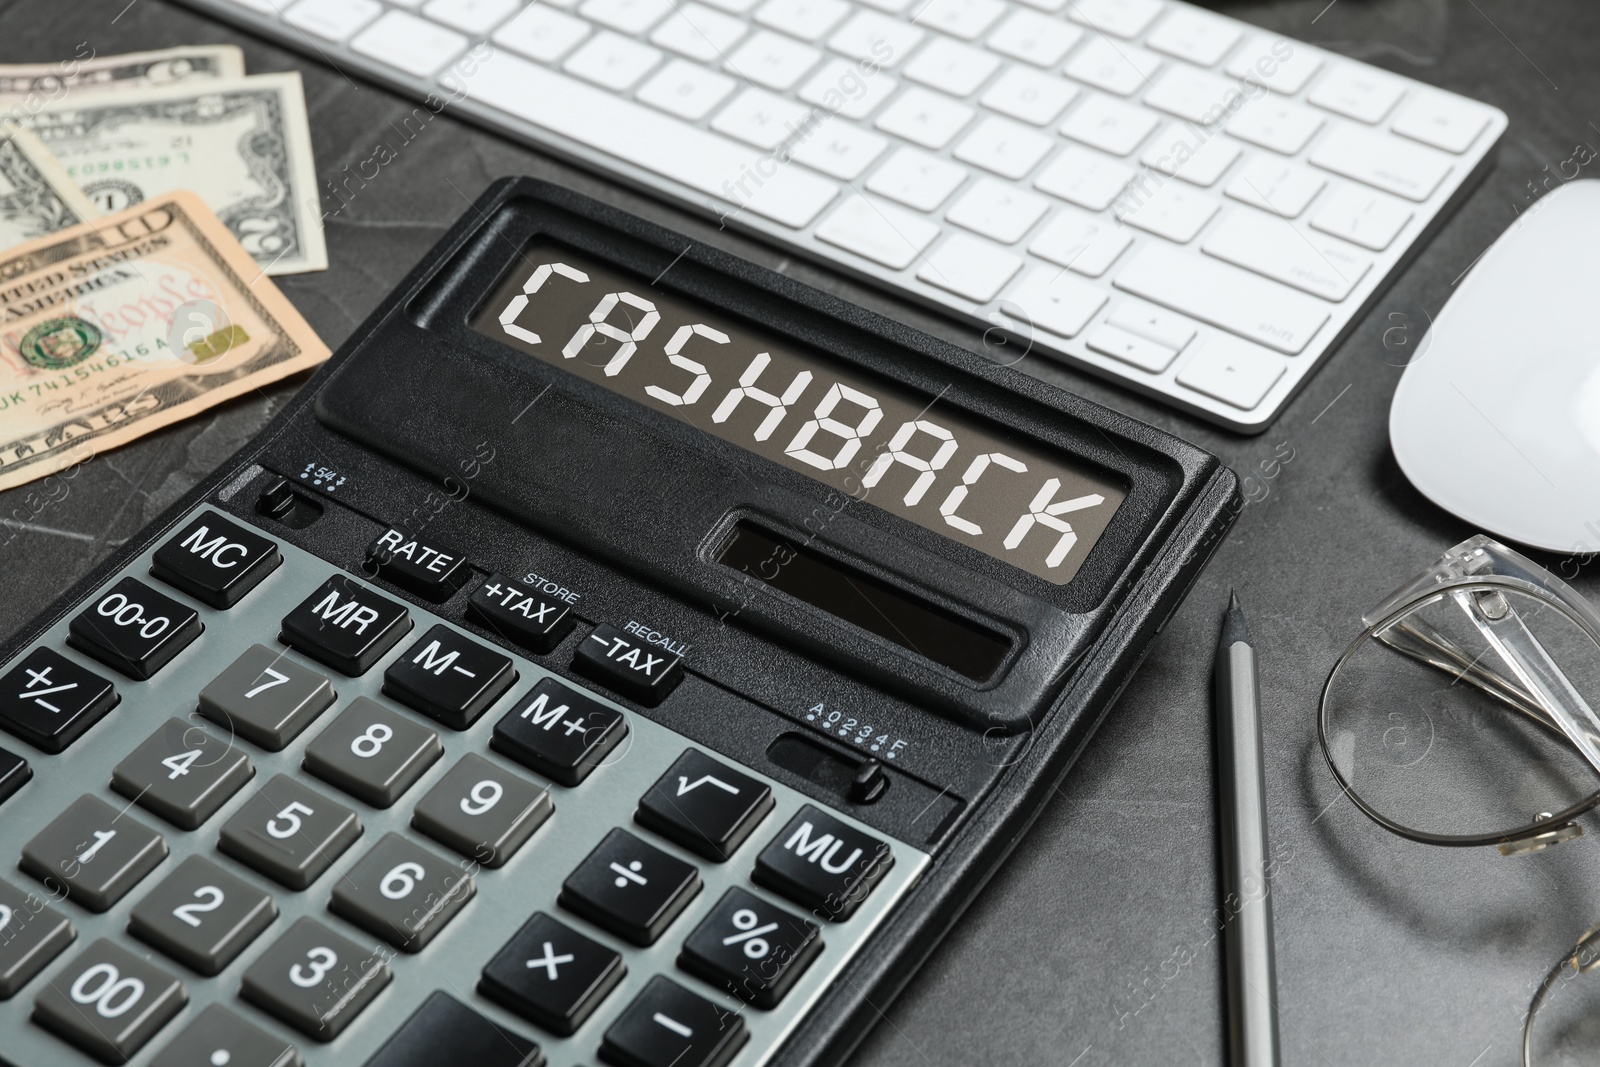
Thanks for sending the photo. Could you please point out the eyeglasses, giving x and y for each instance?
(1464, 715)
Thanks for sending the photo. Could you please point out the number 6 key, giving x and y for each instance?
(402, 893)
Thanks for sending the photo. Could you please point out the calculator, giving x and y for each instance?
(616, 654)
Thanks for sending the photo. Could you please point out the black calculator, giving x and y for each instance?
(618, 653)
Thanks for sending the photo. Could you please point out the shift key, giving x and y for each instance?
(1227, 297)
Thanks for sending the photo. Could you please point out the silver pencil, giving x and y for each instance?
(1242, 812)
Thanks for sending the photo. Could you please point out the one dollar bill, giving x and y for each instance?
(118, 326)
(36, 196)
(243, 144)
(35, 85)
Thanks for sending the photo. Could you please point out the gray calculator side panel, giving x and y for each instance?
(505, 897)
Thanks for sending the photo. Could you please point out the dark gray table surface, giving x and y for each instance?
(1096, 942)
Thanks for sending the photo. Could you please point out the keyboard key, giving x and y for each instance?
(540, 32)
(289, 833)
(332, 20)
(1225, 296)
(1034, 39)
(751, 949)
(431, 572)
(109, 1002)
(702, 161)
(1280, 125)
(761, 119)
(843, 90)
(552, 975)
(346, 625)
(530, 618)
(444, 1030)
(266, 698)
(688, 91)
(630, 888)
(49, 701)
(1172, 211)
(402, 893)
(839, 148)
(476, 17)
(14, 774)
(612, 62)
(880, 232)
(409, 44)
(1120, 18)
(31, 936)
(1358, 92)
(315, 980)
(1278, 249)
(1370, 219)
(823, 864)
(704, 805)
(628, 663)
(559, 732)
(1279, 64)
(94, 852)
(668, 1026)
(449, 677)
(1233, 372)
(215, 561)
(969, 267)
(134, 629)
(1088, 244)
(1178, 152)
(1194, 95)
(1285, 189)
(1109, 125)
(218, 1036)
(998, 209)
(1084, 177)
(1195, 35)
(1029, 95)
(1004, 147)
(917, 180)
(699, 32)
(202, 916)
(773, 60)
(809, 20)
(1056, 301)
(1132, 349)
(924, 117)
(871, 36)
(1116, 68)
(1446, 122)
(631, 17)
(966, 19)
(483, 811)
(182, 774)
(1382, 161)
(1153, 324)
(372, 753)
(957, 69)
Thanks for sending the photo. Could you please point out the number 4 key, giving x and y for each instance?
(182, 773)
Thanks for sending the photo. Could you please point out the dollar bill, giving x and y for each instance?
(39, 84)
(243, 144)
(118, 326)
(36, 196)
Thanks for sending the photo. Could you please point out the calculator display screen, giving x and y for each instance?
(968, 480)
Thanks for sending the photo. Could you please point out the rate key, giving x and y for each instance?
(536, 622)
(430, 571)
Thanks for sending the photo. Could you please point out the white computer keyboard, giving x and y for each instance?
(1151, 191)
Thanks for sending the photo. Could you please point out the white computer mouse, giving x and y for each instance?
(1498, 420)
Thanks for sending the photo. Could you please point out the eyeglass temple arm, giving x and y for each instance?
(1500, 624)
(1423, 643)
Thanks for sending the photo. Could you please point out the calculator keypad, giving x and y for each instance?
(202, 916)
(134, 629)
(109, 1002)
(94, 852)
(396, 927)
(402, 893)
(373, 753)
(266, 698)
(289, 832)
(49, 701)
(315, 980)
(182, 773)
